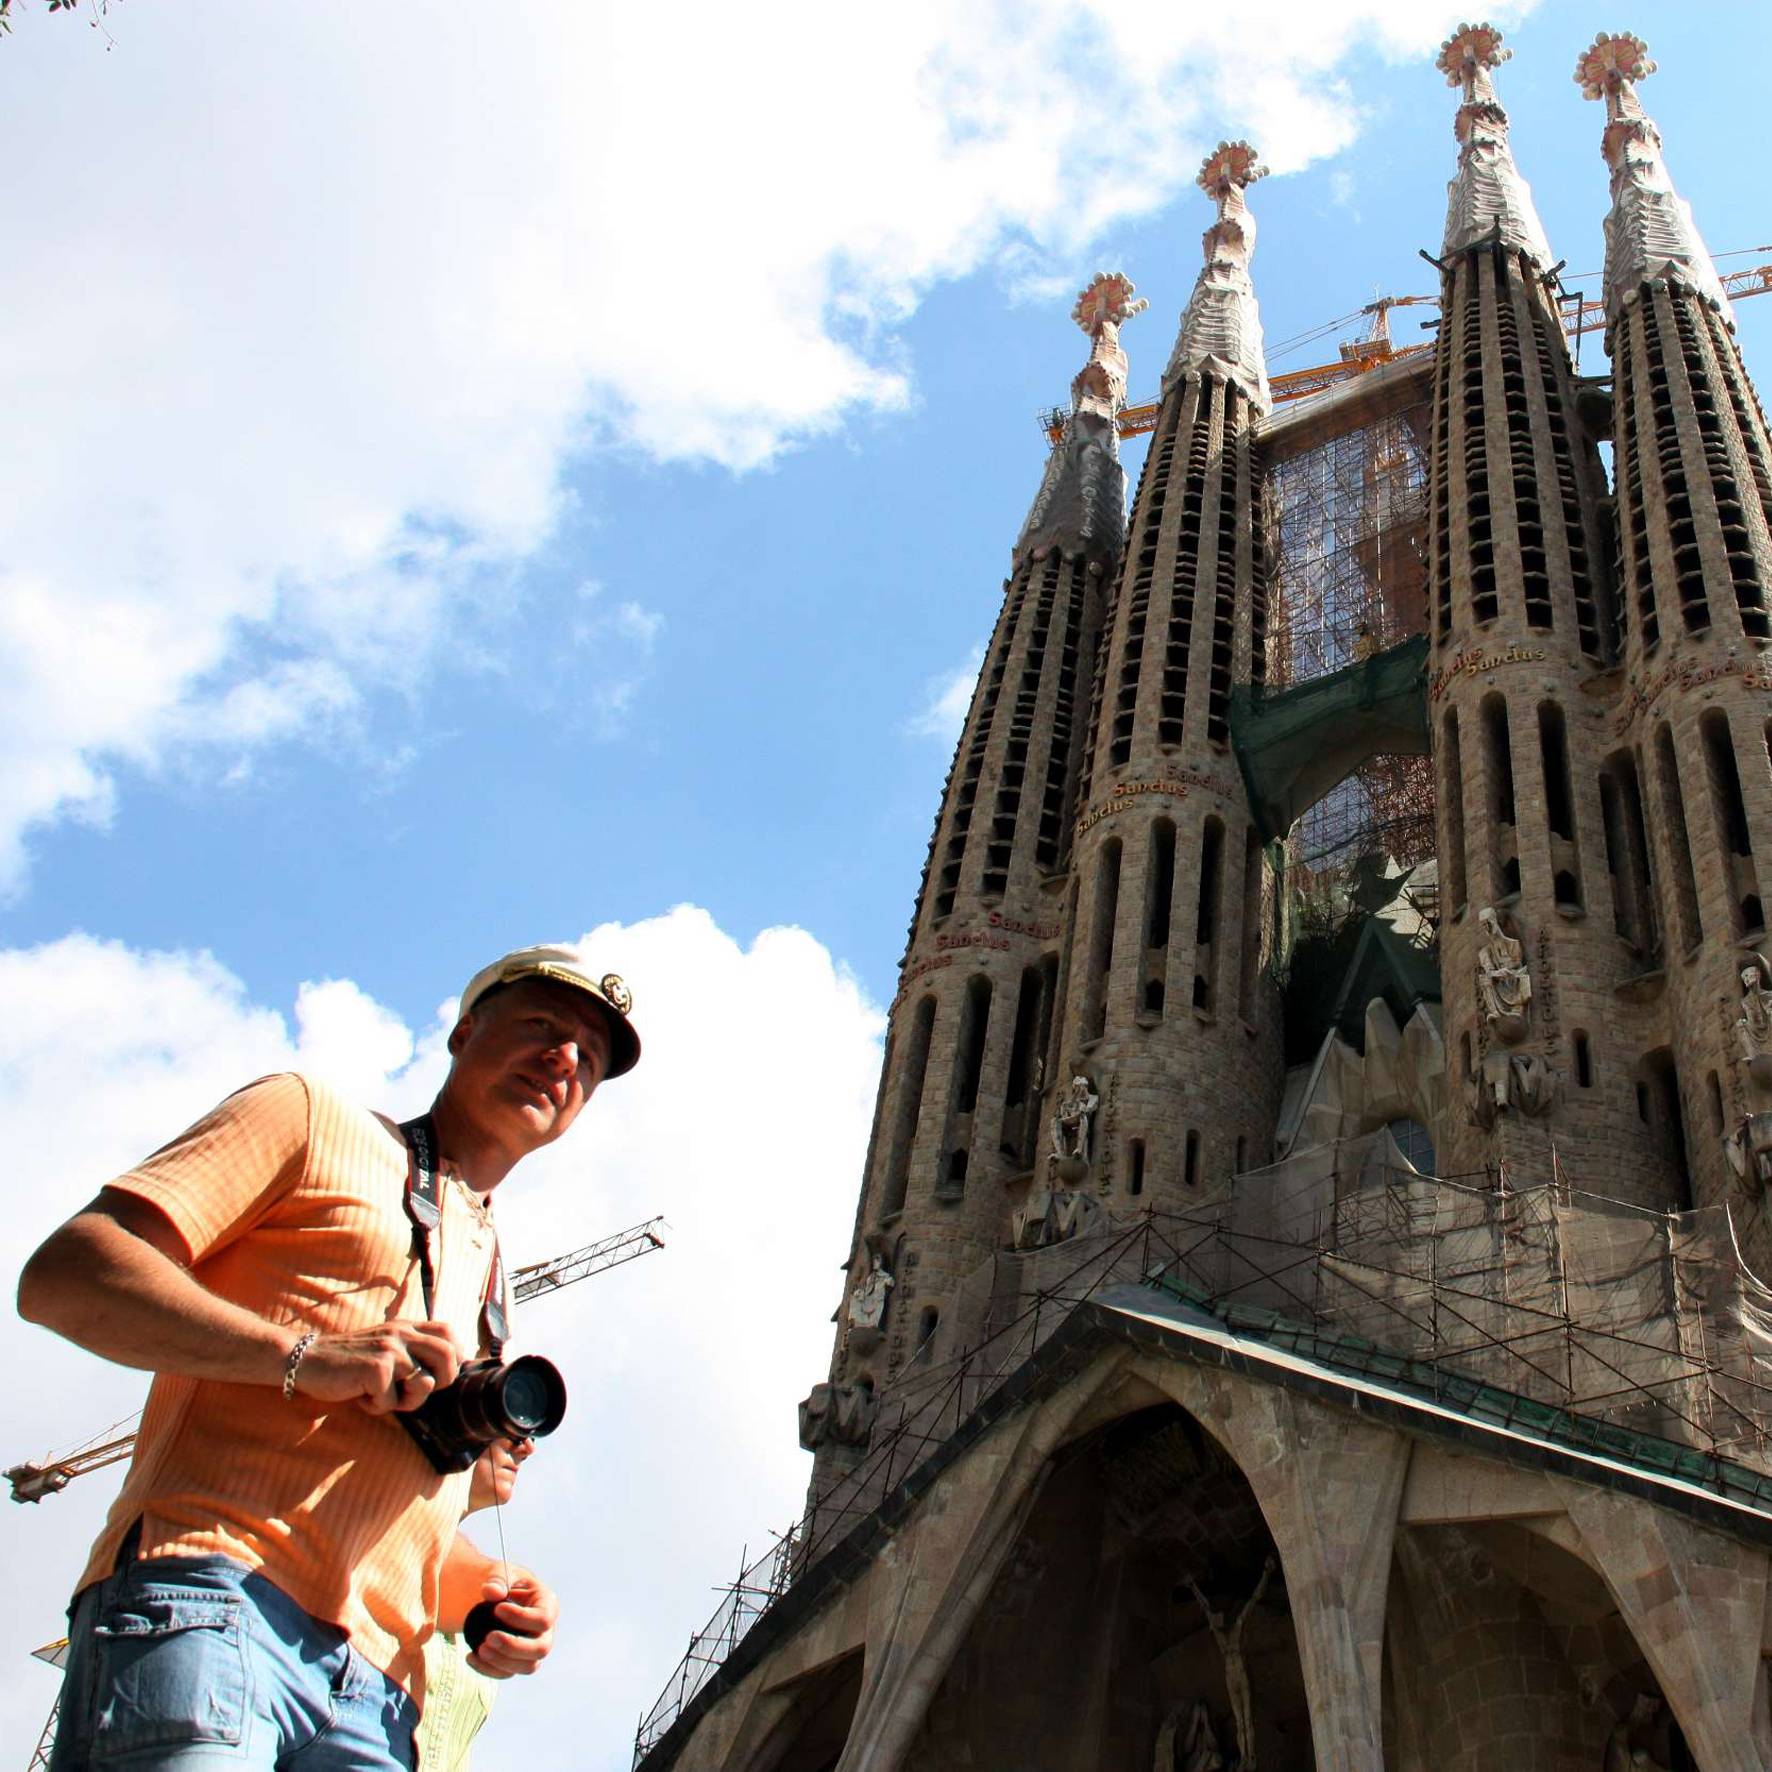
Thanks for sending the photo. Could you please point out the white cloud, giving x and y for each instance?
(295, 352)
(945, 701)
(621, 638)
(744, 1126)
(639, 625)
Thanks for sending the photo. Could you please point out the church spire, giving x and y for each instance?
(1487, 198)
(1081, 504)
(1221, 327)
(1650, 234)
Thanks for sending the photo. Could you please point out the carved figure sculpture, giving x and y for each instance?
(1535, 1084)
(1749, 1149)
(1051, 1215)
(1229, 1638)
(1504, 985)
(867, 1303)
(1199, 1741)
(1071, 1214)
(1070, 1123)
(1634, 1745)
(1753, 1029)
(1199, 1748)
(840, 1413)
(1028, 1227)
(1489, 1092)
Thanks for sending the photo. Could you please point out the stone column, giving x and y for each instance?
(1694, 489)
(1522, 653)
(1168, 1010)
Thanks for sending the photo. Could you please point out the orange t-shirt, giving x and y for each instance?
(292, 1204)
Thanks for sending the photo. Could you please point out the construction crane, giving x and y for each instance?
(56, 1654)
(31, 1482)
(1586, 314)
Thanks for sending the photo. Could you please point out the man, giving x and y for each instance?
(458, 1700)
(281, 1549)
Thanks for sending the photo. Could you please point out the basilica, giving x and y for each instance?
(1304, 1304)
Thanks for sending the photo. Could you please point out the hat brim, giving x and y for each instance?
(624, 1042)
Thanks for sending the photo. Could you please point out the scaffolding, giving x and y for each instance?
(1587, 1322)
(1348, 514)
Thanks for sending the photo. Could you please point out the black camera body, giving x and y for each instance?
(490, 1400)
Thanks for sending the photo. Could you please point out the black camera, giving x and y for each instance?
(489, 1401)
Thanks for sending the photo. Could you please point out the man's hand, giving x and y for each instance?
(388, 1366)
(531, 1609)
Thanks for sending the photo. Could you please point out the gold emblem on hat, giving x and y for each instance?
(621, 999)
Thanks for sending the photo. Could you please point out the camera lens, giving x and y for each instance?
(531, 1398)
(526, 1400)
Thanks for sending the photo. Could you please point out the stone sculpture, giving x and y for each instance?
(1753, 1028)
(1534, 1084)
(839, 1414)
(1504, 985)
(1200, 1747)
(1051, 1215)
(1229, 1637)
(1199, 1741)
(867, 1303)
(1512, 1082)
(1633, 1745)
(1749, 1149)
(1070, 1122)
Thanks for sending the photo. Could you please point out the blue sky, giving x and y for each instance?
(475, 476)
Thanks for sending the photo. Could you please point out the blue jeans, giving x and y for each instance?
(197, 1662)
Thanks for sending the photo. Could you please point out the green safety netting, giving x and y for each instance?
(1295, 745)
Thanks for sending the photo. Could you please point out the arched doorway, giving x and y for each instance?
(810, 1738)
(1504, 1648)
(1144, 1577)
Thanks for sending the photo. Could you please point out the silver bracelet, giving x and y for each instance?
(293, 1364)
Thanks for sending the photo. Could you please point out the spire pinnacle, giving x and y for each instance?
(1103, 307)
(1487, 199)
(1650, 234)
(1081, 502)
(1221, 326)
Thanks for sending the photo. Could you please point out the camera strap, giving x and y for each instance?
(424, 1207)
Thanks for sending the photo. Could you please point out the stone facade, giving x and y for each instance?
(1438, 1596)
(973, 1030)
(1694, 499)
(1522, 667)
(1046, 1530)
(1168, 1008)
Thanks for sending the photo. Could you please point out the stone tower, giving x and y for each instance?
(1350, 1462)
(1165, 1010)
(1541, 929)
(1693, 475)
(972, 1025)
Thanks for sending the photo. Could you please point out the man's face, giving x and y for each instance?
(527, 1059)
(495, 1473)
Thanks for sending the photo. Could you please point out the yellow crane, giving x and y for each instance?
(1359, 355)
